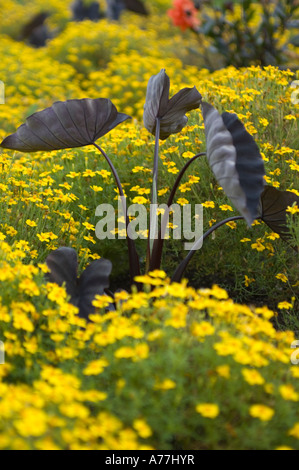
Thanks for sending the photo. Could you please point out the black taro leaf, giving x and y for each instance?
(66, 124)
(35, 31)
(272, 210)
(235, 160)
(249, 164)
(63, 265)
(136, 6)
(82, 11)
(171, 112)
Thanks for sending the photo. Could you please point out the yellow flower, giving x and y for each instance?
(282, 277)
(32, 422)
(208, 410)
(226, 207)
(253, 377)
(288, 393)
(96, 367)
(166, 384)
(262, 412)
(223, 371)
(284, 305)
(294, 432)
(293, 209)
(182, 201)
(142, 428)
(31, 223)
(208, 204)
(248, 280)
(202, 329)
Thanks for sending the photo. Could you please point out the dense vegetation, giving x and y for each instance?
(204, 365)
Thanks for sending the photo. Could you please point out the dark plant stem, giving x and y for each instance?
(159, 242)
(133, 256)
(154, 198)
(177, 277)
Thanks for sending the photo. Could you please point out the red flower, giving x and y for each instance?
(183, 14)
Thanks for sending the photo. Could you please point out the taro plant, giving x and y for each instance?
(232, 153)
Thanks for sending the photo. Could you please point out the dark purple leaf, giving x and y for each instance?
(171, 112)
(273, 206)
(235, 160)
(66, 124)
(63, 265)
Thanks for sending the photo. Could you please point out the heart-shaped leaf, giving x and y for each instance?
(273, 207)
(66, 124)
(235, 160)
(171, 112)
(63, 265)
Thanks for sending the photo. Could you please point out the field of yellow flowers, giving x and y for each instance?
(198, 365)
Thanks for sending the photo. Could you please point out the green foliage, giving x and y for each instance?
(246, 33)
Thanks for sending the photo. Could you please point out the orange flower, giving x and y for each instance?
(183, 14)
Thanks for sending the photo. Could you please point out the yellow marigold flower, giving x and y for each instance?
(74, 410)
(258, 246)
(231, 225)
(253, 377)
(288, 393)
(202, 329)
(294, 432)
(262, 412)
(140, 200)
(284, 305)
(125, 352)
(88, 226)
(290, 117)
(226, 207)
(29, 287)
(96, 367)
(248, 281)
(182, 201)
(208, 204)
(141, 352)
(208, 410)
(96, 189)
(281, 277)
(166, 384)
(264, 122)
(142, 428)
(218, 293)
(223, 371)
(188, 154)
(31, 223)
(32, 422)
(293, 209)
(273, 236)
